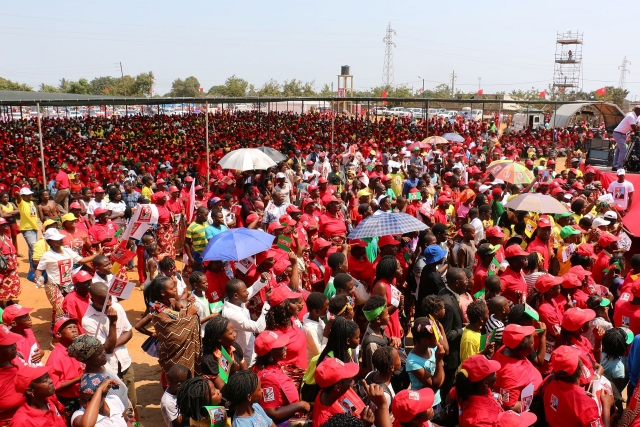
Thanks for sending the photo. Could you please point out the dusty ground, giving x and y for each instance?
(146, 368)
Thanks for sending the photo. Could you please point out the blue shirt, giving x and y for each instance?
(258, 419)
(633, 362)
(212, 231)
(409, 184)
(414, 363)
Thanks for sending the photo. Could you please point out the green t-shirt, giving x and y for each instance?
(330, 290)
(197, 233)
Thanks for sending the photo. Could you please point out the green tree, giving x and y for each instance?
(64, 85)
(270, 89)
(82, 86)
(326, 91)
(440, 91)
(252, 91)
(143, 84)
(105, 85)
(292, 88)
(6, 84)
(47, 88)
(189, 87)
(307, 88)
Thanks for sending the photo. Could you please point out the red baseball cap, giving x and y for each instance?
(322, 180)
(75, 205)
(514, 250)
(570, 281)
(287, 220)
(312, 187)
(443, 199)
(332, 370)
(579, 272)
(13, 311)
(407, 404)
(251, 217)
(292, 208)
(275, 225)
(544, 221)
(358, 243)
(268, 340)
(320, 243)
(99, 211)
(606, 239)
(565, 358)
(557, 191)
(546, 282)
(514, 334)
(173, 189)
(7, 337)
(494, 231)
(160, 181)
(82, 276)
(574, 318)
(479, 367)
(61, 322)
(264, 255)
(188, 179)
(158, 196)
(98, 189)
(27, 374)
(387, 240)
(282, 293)
(309, 163)
(199, 187)
(512, 419)
(586, 249)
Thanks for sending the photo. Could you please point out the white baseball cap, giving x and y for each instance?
(599, 222)
(610, 215)
(25, 192)
(53, 234)
(497, 182)
(483, 188)
(280, 175)
(620, 172)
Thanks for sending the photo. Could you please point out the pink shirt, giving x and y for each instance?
(63, 180)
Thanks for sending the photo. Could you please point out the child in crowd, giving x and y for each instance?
(177, 375)
(471, 335)
(17, 318)
(386, 361)
(493, 286)
(76, 302)
(64, 370)
(243, 392)
(499, 309)
(601, 307)
(193, 395)
(199, 284)
(424, 364)
(313, 326)
(377, 314)
(433, 307)
(341, 305)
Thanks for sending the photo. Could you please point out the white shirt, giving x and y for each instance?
(311, 174)
(59, 267)
(620, 192)
(273, 213)
(169, 408)
(479, 227)
(90, 325)
(115, 418)
(323, 168)
(93, 205)
(625, 125)
(117, 208)
(314, 332)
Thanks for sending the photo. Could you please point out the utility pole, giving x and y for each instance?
(623, 73)
(453, 82)
(124, 89)
(387, 70)
(479, 83)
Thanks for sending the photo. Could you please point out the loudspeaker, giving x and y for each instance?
(598, 157)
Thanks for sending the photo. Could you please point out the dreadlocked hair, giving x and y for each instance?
(153, 292)
(386, 268)
(240, 385)
(431, 305)
(343, 420)
(535, 298)
(192, 397)
(383, 358)
(614, 343)
(213, 330)
(342, 330)
(279, 315)
(465, 388)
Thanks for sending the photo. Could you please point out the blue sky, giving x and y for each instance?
(510, 45)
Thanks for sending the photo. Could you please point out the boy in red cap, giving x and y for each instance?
(515, 287)
(542, 242)
(75, 303)
(413, 408)
(65, 371)
(18, 319)
(608, 243)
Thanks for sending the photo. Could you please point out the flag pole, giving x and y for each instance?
(206, 133)
(44, 174)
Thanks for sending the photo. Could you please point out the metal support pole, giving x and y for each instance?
(44, 174)
(206, 137)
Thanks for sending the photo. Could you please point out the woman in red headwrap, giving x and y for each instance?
(164, 233)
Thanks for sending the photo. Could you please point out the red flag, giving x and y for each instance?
(543, 94)
(121, 254)
(602, 91)
(480, 92)
(201, 89)
(106, 90)
(384, 95)
(191, 203)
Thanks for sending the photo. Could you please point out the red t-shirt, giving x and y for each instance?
(10, 400)
(297, 347)
(277, 388)
(513, 282)
(75, 306)
(26, 416)
(350, 399)
(480, 411)
(479, 277)
(361, 270)
(101, 231)
(542, 248)
(64, 368)
(601, 263)
(330, 226)
(568, 405)
(627, 314)
(216, 283)
(513, 376)
(316, 274)
(74, 241)
(27, 345)
(63, 180)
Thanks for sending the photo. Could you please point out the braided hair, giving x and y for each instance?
(614, 343)
(278, 315)
(431, 305)
(166, 263)
(213, 330)
(192, 397)
(386, 268)
(240, 385)
(341, 331)
(195, 277)
(153, 292)
(383, 358)
(343, 420)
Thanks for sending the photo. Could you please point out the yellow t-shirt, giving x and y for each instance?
(469, 344)
(39, 249)
(146, 192)
(564, 266)
(396, 183)
(28, 216)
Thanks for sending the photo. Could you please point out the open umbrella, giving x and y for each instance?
(385, 224)
(435, 140)
(541, 203)
(274, 154)
(246, 159)
(511, 171)
(454, 137)
(236, 244)
(419, 144)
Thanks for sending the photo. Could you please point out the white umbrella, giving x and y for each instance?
(246, 159)
(532, 202)
(273, 153)
(453, 137)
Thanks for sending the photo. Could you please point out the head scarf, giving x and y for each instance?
(90, 382)
(83, 347)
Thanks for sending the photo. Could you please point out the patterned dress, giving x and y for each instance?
(10, 287)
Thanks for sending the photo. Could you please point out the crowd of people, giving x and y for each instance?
(489, 316)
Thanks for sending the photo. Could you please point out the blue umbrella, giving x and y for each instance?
(236, 244)
(385, 224)
(453, 137)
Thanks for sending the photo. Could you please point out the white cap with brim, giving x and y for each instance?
(53, 234)
(610, 215)
(620, 172)
(599, 222)
(25, 192)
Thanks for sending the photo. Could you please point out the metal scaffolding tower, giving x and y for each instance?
(568, 59)
(387, 70)
(623, 73)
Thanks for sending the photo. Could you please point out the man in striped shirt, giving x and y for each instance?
(196, 238)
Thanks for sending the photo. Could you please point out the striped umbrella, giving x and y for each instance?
(511, 171)
(387, 224)
(435, 140)
(453, 137)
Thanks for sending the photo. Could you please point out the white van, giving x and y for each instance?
(532, 119)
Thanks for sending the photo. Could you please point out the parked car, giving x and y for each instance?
(416, 113)
(398, 112)
(378, 111)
